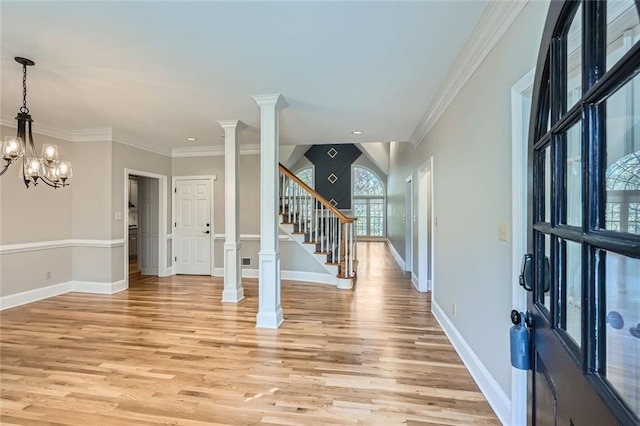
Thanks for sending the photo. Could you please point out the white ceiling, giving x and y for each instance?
(158, 72)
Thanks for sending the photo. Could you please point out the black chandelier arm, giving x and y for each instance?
(6, 166)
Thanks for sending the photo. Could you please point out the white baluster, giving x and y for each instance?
(340, 244)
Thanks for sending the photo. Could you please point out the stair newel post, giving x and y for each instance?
(341, 248)
(352, 248)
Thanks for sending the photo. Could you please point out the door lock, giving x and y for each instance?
(205, 232)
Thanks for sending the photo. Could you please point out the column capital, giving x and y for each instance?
(276, 100)
(229, 124)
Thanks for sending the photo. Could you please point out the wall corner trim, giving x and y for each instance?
(496, 396)
(493, 23)
(396, 255)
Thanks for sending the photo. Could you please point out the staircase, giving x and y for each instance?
(319, 228)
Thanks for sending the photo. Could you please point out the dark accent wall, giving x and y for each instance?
(333, 171)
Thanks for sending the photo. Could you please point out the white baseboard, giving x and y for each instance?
(396, 256)
(98, 287)
(313, 277)
(415, 281)
(167, 272)
(30, 296)
(497, 398)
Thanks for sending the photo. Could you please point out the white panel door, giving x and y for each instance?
(193, 227)
(148, 226)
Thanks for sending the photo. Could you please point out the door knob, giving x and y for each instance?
(206, 232)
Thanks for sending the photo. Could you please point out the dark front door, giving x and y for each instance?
(584, 217)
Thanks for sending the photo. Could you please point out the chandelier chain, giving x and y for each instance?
(24, 108)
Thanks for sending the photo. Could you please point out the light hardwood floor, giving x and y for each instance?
(167, 351)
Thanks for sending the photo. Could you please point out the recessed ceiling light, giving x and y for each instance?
(191, 139)
(357, 132)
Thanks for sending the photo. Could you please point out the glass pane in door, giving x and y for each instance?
(573, 291)
(547, 185)
(574, 60)
(622, 29)
(622, 357)
(622, 176)
(573, 174)
(543, 269)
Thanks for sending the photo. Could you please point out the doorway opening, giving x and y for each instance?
(408, 252)
(426, 228)
(145, 224)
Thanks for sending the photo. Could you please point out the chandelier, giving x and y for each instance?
(35, 168)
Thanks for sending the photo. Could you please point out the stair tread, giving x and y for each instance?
(322, 252)
(299, 232)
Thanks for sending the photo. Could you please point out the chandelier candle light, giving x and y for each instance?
(35, 168)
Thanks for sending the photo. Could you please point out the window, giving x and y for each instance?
(305, 175)
(368, 203)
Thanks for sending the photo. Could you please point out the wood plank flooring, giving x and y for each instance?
(167, 351)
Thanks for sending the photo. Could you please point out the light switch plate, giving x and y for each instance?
(503, 231)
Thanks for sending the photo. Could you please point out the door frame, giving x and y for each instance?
(408, 247)
(519, 146)
(212, 179)
(163, 271)
(426, 214)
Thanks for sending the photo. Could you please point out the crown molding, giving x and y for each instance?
(125, 140)
(493, 23)
(41, 129)
(211, 151)
(98, 134)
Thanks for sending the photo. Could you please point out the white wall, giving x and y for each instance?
(470, 144)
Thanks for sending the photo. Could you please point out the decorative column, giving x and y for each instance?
(269, 311)
(233, 291)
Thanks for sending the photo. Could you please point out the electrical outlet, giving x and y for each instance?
(118, 215)
(49, 275)
(455, 310)
(503, 231)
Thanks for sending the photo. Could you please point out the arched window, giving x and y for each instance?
(368, 203)
(623, 194)
(305, 175)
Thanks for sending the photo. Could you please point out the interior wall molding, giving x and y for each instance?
(496, 397)
(98, 134)
(56, 244)
(396, 255)
(493, 23)
(125, 140)
(37, 294)
(211, 151)
(43, 129)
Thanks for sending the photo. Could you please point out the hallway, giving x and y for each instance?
(167, 351)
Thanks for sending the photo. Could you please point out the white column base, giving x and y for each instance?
(233, 291)
(270, 311)
(345, 283)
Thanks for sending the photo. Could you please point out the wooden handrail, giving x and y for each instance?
(343, 218)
